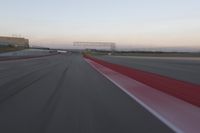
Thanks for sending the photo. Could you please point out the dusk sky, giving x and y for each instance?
(129, 23)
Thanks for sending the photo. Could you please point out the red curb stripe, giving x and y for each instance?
(183, 90)
(180, 116)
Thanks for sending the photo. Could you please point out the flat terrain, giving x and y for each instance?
(25, 52)
(9, 49)
(63, 93)
(180, 68)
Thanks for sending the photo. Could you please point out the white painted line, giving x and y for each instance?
(179, 115)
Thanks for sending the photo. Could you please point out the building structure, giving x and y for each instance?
(14, 42)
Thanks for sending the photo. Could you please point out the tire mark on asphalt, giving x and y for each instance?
(16, 69)
(11, 65)
(33, 69)
(17, 85)
(50, 107)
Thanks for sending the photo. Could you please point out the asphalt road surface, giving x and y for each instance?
(25, 52)
(64, 94)
(180, 68)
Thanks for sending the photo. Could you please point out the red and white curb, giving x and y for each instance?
(177, 114)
